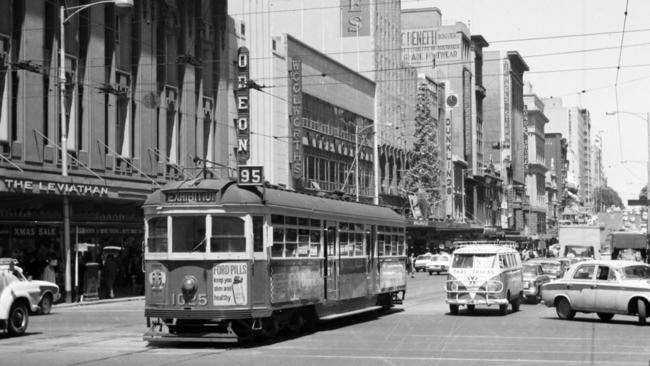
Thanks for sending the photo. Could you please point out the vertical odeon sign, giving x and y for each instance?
(296, 117)
(242, 99)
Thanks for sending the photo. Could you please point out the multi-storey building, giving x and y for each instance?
(535, 164)
(366, 40)
(144, 102)
(504, 130)
(555, 156)
(574, 124)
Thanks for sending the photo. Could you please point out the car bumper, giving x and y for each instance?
(531, 291)
(487, 302)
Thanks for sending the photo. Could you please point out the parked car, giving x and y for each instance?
(606, 287)
(552, 267)
(534, 278)
(40, 294)
(439, 263)
(421, 261)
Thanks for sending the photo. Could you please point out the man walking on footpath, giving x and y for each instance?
(410, 265)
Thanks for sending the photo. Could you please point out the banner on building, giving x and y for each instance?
(431, 46)
(295, 115)
(506, 105)
(355, 18)
(467, 115)
(525, 139)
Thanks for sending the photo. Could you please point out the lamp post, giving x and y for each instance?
(647, 120)
(64, 126)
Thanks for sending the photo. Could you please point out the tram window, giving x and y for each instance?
(157, 239)
(258, 233)
(380, 244)
(343, 244)
(291, 244)
(290, 220)
(227, 235)
(358, 244)
(303, 221)
(278, 242)
(315, 243)
(303, 243)
(188, 234)
(315, 223)
(277, 219)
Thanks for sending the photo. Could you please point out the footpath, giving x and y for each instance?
(97, 302)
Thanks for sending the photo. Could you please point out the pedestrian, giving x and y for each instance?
(410, 265)
(49, 272)
(110, 275)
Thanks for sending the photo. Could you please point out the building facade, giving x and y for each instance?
(535, 165)
(143, 104)
(504, 131)
(555, 156)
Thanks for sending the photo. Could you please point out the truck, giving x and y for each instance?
(628, 245)
(580, 241)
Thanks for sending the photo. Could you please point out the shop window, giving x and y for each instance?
(227, 235)
(188, 234)
(157, 235)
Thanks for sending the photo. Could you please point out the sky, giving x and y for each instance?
(508, 25)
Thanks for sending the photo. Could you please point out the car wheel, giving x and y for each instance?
(45, 305)
(515, 304)
(437, 273)
(453, 309)
(18, 319)
(642, 311)
(430, 273)
(471, 308)
(605, 316)
(563, 309)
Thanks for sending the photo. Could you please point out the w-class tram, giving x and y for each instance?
(226, 262)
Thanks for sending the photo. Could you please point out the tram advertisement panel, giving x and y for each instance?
(392, 275)
(295, 281)
(230, 283)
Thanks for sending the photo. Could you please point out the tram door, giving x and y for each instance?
(331, 261)
(373, 261)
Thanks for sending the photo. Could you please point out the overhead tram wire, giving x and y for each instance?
(618, 70)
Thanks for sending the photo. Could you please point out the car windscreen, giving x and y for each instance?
(424, 256)
(551, 267)
(636, 272)
(436, 258)
(579, 251)
(474, 260)
(530, 270)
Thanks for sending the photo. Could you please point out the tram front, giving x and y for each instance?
(202, 242)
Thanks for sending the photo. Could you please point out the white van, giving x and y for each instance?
(485, 273)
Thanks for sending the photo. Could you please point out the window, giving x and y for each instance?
(157, 238)
(605, 274)
(584, 273)
(474, 260)
(258, 233)
(227, 235)
(188, 234)
(295, 237)
(502, 261)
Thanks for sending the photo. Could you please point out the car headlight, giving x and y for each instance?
(494, 286)
(452, 286)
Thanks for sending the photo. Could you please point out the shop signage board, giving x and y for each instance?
(44, 187)
(242, 101)
(431, 46)
(355, 18)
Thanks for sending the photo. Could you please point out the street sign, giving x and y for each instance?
(638, 202)
(250, 175)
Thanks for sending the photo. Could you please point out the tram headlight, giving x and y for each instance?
(189, 287)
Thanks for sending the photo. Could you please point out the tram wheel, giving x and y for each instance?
(296, 323)
(270, 327)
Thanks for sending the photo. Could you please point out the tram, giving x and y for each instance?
(226, 262)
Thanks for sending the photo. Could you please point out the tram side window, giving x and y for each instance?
(278, 242)
(227, 235)
(157, 238)
(258, 233)
(188, 234)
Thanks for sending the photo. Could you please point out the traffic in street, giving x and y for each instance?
(419, 332)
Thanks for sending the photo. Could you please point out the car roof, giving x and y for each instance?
(611, 263)
(543, 260)
(484, 249)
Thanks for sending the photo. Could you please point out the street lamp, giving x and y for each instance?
(64, 127)
(647, 120)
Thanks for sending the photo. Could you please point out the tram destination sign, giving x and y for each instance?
(191, 196)
(250, 175)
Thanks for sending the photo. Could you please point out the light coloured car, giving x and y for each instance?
(40, 294)
(534, 278)
(439, 263)
(606, 287)
(552, 267)
(421, 262)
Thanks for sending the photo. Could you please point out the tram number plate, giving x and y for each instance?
(251, 175)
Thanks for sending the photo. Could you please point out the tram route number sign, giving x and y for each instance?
(250, 175)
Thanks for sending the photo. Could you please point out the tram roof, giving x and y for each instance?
(233, 194)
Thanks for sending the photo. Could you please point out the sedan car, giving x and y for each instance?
(421, 262)
(438, 263)
(534, 278)
(40, 294)
(606, 287)
(552, 267)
